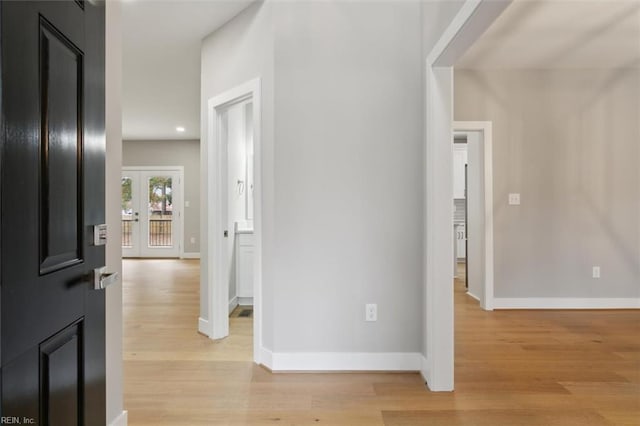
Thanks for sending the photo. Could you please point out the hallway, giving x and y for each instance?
(512, 368)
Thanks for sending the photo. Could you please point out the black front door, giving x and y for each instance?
(52, 181)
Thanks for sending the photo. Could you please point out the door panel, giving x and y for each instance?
(52, 143)
(61, 150)
(61, 357)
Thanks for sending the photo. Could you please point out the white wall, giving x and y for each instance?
(567, 141)
(184, 153)
(113, 295)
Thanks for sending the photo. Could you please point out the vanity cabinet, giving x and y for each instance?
(244, 267)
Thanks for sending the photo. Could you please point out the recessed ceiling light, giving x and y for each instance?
(180, 129)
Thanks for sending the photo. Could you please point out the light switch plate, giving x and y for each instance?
(514, 199)
(596, 272)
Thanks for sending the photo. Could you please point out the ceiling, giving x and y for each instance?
(162, 38)
(560, 34)
(161, 64)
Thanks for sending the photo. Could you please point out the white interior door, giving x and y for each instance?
(151, 212)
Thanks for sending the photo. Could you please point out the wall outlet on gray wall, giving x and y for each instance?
(371, 312)
(596, 272)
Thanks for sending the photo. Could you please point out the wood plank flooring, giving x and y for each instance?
(512, 368)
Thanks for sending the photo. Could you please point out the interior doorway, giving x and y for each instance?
(232, 224)
(473, 209)
(460, 214)
(152, 212)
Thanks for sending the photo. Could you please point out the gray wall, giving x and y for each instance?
(173, 153)
(240, 51)
(569, 142)
(349, 176)
(342, 165)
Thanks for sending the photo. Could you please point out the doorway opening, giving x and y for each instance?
(473, 210)
(231, 269)
(152, 211)
(237, 137)
(460, 213)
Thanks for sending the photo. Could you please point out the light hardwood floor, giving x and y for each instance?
(512, 368)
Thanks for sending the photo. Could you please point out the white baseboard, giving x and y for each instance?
(266, 357)
(233, 303)
(121, 420)
(193, 255)
(203, 326)
(424, 368)
(473, 295)
(565, 303)
(245, 301)
(342, 361)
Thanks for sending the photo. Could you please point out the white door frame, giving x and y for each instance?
(216, 281)
(484, 127)
(468, 25)
(178, 204)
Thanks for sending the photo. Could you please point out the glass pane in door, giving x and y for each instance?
(160, 211)
(127, 212)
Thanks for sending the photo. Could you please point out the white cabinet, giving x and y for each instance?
(459, 160)
(461, 250)
(244, 267)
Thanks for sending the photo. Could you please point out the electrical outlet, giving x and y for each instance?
(187, 204)
(193, 240)
(596, 272)
(371, 312)
(514, 199)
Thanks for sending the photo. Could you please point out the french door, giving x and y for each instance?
(151, 212)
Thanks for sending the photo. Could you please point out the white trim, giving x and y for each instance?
(486, 127)
(233, 303)
(342, 361)
(473, 295)
(245, 301)
(472, 20)
(266, 357)
(424, 368)
(121, 420)
(154, 168)
(566, 303)
(190, 255)
(438, 242)
(451, 32)
(218, 289)
(203, 326)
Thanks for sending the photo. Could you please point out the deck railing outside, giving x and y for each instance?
(160, 232)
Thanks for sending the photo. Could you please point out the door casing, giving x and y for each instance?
(213, 217)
